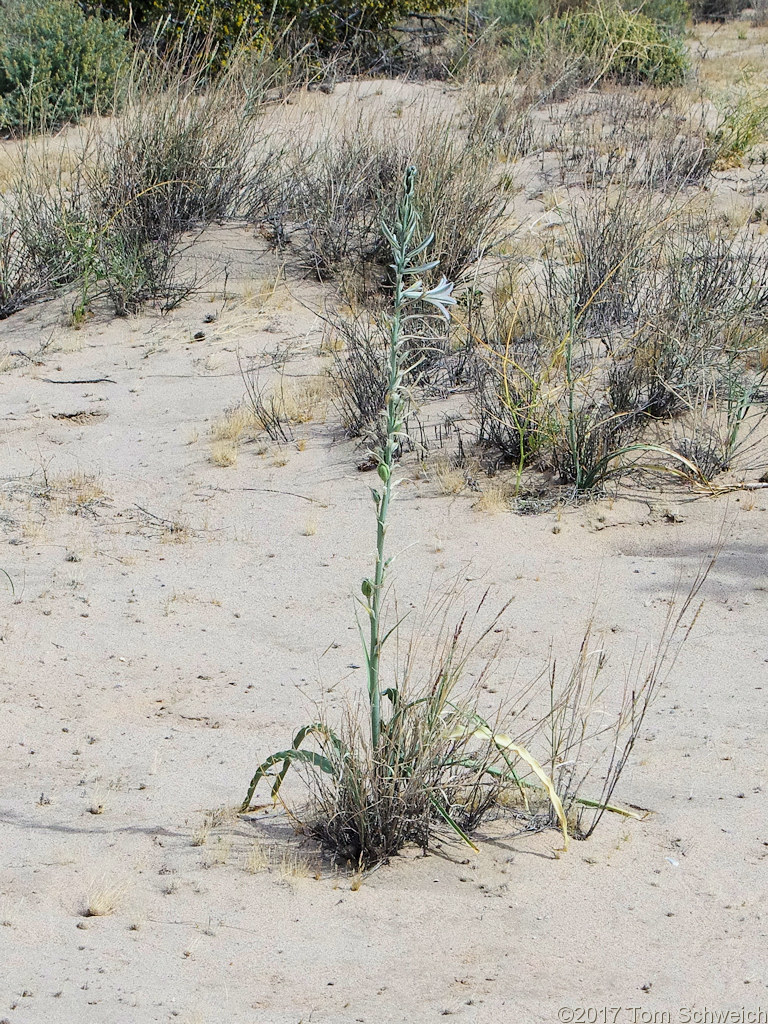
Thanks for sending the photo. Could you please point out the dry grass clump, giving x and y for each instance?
(661, 139)
(104, 898)
(450, 478)
(289, 864)
(500, 121)
(78, 492)
(228, 432)
(224, 453)
(306, 400)
(337, 195)
(21, 280)
(212, 819)
(494, 497)
(610, 349)
(235, 422)
(276, 408)
(257, 859)
(110, 212)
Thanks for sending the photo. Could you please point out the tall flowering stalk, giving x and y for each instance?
(409, 289)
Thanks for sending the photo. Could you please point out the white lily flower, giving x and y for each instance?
(441, 296)
(414, 291)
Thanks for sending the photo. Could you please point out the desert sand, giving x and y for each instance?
(172, 622)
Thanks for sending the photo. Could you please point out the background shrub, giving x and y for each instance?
(717, 10)
(566, 45)
(21, 280)
(642, 331)
(337, 195)
(512, 14)
(185, 151)
(616, 44)
(324, 24)
(672, 13)
(509, 14)
(223, 21)
(56, 63)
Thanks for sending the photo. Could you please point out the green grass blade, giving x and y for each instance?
(287, 757)
(453, 824)
(319, 728)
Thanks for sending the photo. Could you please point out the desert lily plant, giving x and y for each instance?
(425, 761)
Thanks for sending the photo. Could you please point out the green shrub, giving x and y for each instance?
(327, 24)
(674, 14)
(56, 63)
(629, 47)
(224, 21)
(605, 41)
(742, 125)
(510, 14)
(335, 21)
(513, 14)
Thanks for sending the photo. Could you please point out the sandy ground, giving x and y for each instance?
(173, 621)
